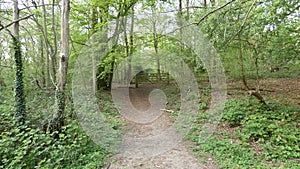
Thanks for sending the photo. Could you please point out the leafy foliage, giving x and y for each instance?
(256, 134)
(31, 147)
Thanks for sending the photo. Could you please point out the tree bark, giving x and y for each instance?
(20, 112)
(155, 44)
(45, 31)
(53, 51)
(131, 44)
(58, 116)
(95, 59)
(127, 47)
(255, 93)
(242, 66)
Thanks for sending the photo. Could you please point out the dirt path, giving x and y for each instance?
(155, 143)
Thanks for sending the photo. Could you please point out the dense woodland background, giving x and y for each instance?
(258, 42)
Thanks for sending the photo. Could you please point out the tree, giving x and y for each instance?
(58, 116)
(20, 112)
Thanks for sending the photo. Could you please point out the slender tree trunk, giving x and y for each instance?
(180, 34)
(187, 10)
(127, 48)
(58, 116)
(242, 65)
(20, 112)
(132, 48)
(45, 31)
(42, 60)
(131, 44)
(255, 93)
(95, 59)
(155, 45)
(101, 82)
(53, 51)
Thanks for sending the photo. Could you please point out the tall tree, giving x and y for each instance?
(155, 41)
(58, 116)
(20, 112)
(45, 32)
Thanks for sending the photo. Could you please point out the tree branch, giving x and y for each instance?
(243, 24)
(6, 66)
(36, 6)
(213, 11)
(18, 20)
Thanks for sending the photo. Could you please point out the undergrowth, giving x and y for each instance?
(31, 147)
(252, 135)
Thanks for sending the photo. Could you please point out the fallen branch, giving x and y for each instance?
(166, 110)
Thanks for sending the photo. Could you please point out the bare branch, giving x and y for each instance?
(213, 11)
(36, 6)
(243, 24)
(18, 20)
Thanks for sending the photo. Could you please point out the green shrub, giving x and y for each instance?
(257, 134)
(30, 148)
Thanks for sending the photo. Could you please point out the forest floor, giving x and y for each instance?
(180, 156)
(282, 90)
(141, 149)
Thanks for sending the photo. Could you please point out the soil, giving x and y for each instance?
(153, 144)
(136, 154)
(283, 90)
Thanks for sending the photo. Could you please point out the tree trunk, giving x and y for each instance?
(187, 10)
(242, 65)
(155, 45)
(42, 61)
(127, 49)
(255, 93)
(45, 31)
(20, 112)
(95, 59)
(180, 34)
(58, 116)
(131, 44)
(53, 51)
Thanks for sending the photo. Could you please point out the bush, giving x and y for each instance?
(30, 148)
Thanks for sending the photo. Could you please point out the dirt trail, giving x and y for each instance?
(153, 144)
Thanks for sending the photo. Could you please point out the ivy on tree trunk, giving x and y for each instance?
(19, 86)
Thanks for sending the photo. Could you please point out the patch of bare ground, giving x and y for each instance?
(154, 144)
(284, 90)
